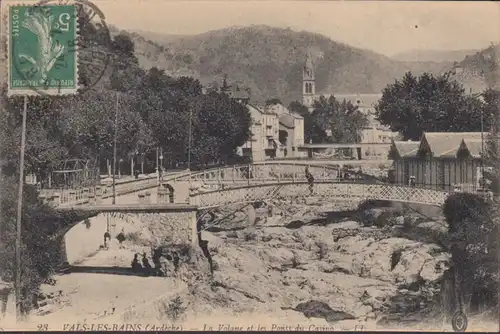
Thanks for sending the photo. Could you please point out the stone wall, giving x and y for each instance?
(154, 226)
(166, 227)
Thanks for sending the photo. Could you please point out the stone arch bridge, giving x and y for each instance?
(182, 198)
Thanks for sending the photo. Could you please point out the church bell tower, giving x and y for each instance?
(308, 83)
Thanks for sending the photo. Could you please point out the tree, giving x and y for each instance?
(95, 51)
(472, 229)
(492, 146)
(88, 126)
(413, 105)
(125, 71)
(273, 101)
(58, 128)
(221, 126)
(343, 119)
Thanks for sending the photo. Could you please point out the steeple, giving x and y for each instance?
(308, 83)
(308, 71)
(225, 87)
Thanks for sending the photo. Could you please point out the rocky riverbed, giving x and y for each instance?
(302, 260)
(297, 265)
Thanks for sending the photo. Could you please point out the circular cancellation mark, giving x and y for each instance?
(93, 58)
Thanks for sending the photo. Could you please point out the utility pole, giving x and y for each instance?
(114, 150)
(161, 166)
(20, 212)
(482, 152)
(189, 144)
(157, 167)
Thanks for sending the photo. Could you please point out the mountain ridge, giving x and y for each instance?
(269, 61)
(433, 55)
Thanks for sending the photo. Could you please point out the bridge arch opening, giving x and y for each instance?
(170, 192)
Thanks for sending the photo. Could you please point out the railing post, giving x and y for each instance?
(234, 172)
(249, 173)
(86, 193)
(72, 196)
(91, 199)
(147, 197)
(141, 198)
(279, 172)
(56, 199)
(98, 194)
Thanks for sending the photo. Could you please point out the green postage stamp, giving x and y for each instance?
(42, 49)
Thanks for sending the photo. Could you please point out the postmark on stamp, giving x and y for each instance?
(46, 50)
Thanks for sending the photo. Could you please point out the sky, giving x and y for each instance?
(387, 27)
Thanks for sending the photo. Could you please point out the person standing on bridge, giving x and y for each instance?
(412, 181)
(310, 179)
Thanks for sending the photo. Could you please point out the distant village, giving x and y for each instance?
(278, 133)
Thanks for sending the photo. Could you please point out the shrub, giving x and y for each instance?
(384, 219)
(175, 309)
(367, 217)
(135, 238)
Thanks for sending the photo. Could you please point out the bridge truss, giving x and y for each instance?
(347, 191)
(269, 172)
(281, 180)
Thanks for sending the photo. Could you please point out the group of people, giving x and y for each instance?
(120, 237)
(144, 268)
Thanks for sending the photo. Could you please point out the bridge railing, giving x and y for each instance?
(269, 171)
(345, 191)
(223, 179)
(97, 193)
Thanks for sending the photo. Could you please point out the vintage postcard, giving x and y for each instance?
(249, 165)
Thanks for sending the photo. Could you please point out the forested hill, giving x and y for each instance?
(269, 60)
(481, 70)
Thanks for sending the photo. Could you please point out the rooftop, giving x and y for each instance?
(260, 109)
(445, 144)
(474, 147)
(404, 148)
(365, 100)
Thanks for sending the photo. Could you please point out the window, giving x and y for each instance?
(308, 87)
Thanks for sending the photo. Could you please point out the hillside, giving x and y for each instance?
(480, 70)
(433, 55)
(269, 61)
